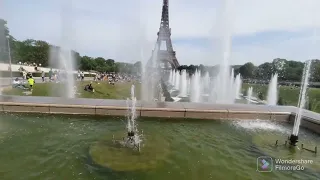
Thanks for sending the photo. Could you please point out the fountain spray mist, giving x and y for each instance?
(151, 76)
(144, 77)
(272, 98)
(302, 97)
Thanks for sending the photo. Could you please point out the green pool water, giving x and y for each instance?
(57, 147)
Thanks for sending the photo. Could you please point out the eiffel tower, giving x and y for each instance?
(156, 74)
(167, 56)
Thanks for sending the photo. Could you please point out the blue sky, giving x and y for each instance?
(261, 30)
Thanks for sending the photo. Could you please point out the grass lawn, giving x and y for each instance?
(289, 95)
(103, 90)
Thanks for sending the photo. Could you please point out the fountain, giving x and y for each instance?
(238, 86)
(177, 80)
(249, 95)
(206, 82)
(221, 87)
(133, 139)
(272, 98)
(189, 85)
(183, 83)
(301, 103)
(231, 89)
(196, 87)
(171, 77)
(127, 154)
(290, 152)
(63, 57)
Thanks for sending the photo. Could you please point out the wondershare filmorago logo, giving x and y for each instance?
(264, 164)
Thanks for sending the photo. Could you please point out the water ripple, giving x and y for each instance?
(56, 147)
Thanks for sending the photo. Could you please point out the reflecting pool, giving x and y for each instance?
(34, 147)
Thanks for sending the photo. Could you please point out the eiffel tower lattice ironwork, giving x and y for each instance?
(164, 35)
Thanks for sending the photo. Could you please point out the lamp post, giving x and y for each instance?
(9, 51)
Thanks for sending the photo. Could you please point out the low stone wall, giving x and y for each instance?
(205, 111)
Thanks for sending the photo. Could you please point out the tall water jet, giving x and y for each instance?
(144, 76)
(238, 86)
(196, 87)
(221, 91)
(63, 57)
(133, 138)
(173, 78)
(249, 95)
(188, 85)
(213, 92)
(183, 83)
(206, 82)
(301, 103)
(170, 77)
(177, 80)
(272, 97)
(231, 87)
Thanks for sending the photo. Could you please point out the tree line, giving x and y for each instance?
(287, 70)
(39, 52)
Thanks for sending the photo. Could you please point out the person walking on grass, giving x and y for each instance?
(31, 83)
(43, 75)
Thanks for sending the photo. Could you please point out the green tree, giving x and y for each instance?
(87, 63)
(264, 71)
(247, 70)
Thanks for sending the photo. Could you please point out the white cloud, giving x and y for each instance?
(114, 29)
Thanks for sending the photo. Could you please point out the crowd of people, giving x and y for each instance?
(28, 81)
(22, 84)
(112, 78)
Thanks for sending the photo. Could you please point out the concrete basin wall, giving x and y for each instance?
(109, 107)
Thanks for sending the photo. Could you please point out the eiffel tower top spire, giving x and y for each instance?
(165, 15)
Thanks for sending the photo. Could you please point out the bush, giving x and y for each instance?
(261, 96)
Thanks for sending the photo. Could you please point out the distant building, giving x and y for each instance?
(3, 41)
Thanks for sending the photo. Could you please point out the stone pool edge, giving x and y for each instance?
(205, 111)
